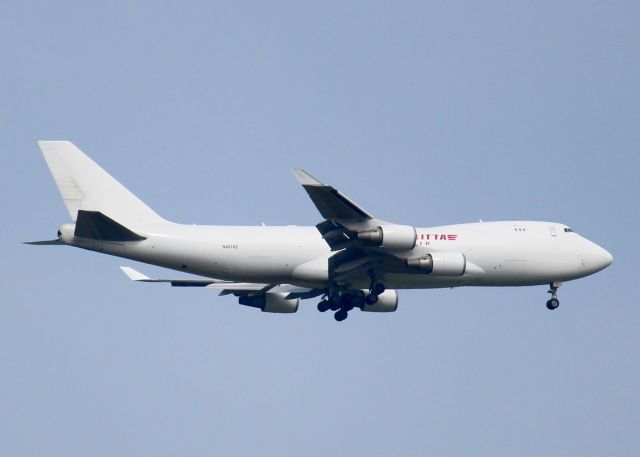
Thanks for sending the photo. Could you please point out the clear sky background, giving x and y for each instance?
(425, 113)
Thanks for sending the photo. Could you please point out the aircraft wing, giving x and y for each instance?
(343, 217)
(229, 287)
(363, 243)
(330, 202)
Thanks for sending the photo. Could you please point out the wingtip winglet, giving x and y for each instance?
(305, 178)
(134, 275)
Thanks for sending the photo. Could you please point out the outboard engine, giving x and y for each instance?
(271, 302)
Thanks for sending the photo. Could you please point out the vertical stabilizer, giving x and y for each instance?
(84, 185)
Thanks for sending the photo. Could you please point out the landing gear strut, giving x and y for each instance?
(553, 303)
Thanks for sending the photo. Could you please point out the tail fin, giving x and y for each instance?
(84, 185)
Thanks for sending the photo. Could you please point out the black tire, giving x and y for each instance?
(341, 315)
(323, 306)
(553, 304)
(371, 299)
(346, 301)
(378, 288)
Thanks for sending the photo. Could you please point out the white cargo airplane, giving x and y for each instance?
(351, 259)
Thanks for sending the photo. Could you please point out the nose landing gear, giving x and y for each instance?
(553, 303)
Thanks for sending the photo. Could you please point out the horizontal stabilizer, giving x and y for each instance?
(97, 226)
(43, 242)
(135, 275)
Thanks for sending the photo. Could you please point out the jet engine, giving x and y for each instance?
(66, 233)
(440, 263)
(387, 303)
(390, 236)
(271, 303)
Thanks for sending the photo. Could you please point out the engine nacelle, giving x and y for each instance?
(66, 233)
(271, 303)
(440, 263)
(391, 236)
(387, 303)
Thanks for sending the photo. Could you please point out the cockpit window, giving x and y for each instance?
(567, 230)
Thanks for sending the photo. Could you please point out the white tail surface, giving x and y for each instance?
(85, 185)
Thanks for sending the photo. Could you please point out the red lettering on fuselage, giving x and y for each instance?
(439, 236)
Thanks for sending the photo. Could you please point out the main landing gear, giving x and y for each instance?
(553, 303)
(344, 301)
(375, 288)
(338, 303)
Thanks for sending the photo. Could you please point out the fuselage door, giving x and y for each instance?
(552, 230)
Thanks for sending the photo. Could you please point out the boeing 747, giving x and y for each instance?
(350, 259)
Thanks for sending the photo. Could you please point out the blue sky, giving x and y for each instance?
(425, 113)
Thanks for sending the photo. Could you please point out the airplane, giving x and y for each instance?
(350, 259)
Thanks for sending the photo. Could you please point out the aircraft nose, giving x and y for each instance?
(600, 258)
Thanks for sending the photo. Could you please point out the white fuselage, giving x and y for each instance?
(497, 253)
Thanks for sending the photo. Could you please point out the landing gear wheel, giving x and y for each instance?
(346, 302)
(323, 306)
(371, 299)
(341, 315)
(334, 302)
(378, 288)
(553, 304)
